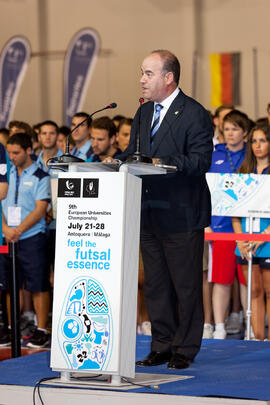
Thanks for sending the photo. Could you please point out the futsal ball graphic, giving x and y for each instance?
(71, 328)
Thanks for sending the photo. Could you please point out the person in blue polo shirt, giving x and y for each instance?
(23, 222)
(81, 136)
(226, 158)
(103, 137)
(48, 135)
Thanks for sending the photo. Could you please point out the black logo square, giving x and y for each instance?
(69, 188)
(90, 188)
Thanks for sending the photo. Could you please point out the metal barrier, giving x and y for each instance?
(254, 237)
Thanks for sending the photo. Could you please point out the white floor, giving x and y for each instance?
(14, 395)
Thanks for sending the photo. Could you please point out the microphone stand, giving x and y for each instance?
(137, 156)
(67, 157)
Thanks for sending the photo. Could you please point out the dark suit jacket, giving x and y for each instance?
(177, 202)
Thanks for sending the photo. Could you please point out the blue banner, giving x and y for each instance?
(80, 61)
(14, 60)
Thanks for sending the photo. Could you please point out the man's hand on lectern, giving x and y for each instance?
(109, 159)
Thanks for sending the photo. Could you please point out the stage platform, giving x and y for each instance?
(229, 372)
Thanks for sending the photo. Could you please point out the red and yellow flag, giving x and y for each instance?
(225, 78)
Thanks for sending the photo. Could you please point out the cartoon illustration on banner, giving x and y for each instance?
(239, 194)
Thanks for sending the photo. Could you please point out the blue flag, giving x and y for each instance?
(79, 64)
(14, 60)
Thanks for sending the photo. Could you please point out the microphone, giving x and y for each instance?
(112, 105)
(67, 157)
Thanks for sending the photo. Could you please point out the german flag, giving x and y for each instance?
(225, 78)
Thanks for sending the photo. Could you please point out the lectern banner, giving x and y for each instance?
(240, 195)
(88, 271)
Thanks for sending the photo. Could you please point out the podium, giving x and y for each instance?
(96, 269)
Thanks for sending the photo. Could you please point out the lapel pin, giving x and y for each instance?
(176, 112)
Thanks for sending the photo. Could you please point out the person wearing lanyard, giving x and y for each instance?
(257, 160)
(225, 159)
(23, 222)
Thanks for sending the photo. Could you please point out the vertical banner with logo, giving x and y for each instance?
(80, 61)
(96, 273)
(14, 60)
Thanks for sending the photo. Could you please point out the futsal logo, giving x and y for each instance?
(90, 188)
(14, 55)
(69, 187)
(83, 48)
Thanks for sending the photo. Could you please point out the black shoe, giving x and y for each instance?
(154, 359)
(179, 361)
(27, 328)
(5, 337)
(38, 340)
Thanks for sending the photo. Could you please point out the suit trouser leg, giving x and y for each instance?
(159, 293)
(173, 290)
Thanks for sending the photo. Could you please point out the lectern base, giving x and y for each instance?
(109, 382)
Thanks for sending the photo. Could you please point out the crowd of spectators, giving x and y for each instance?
(240, 145)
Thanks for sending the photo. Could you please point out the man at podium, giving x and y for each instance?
(174, 130)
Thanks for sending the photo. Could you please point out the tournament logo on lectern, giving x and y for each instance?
(85, 327)
(69, 187)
